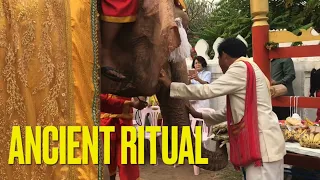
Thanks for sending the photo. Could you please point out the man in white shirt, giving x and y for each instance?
(242, 80)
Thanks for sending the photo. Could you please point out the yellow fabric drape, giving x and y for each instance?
(46, 67)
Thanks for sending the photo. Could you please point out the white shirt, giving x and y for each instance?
(204, 76)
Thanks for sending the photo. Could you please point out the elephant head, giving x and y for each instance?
(145, 48)
(146, 54)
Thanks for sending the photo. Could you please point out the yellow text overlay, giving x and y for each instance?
(52, 145)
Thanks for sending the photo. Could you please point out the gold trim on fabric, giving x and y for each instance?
(70, 85)
(70, 75)
(96, 78)
(113, 19)
(123, 116)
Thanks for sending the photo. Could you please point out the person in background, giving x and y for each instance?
(315, 88)
(282, 72)
(200, 76)
(256, 142)
(117, 111)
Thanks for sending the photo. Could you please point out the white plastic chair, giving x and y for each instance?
(141, 115)
(206, 131)
(154, 112)
(154, 116)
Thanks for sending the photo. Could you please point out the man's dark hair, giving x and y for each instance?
(200, 60)
(234, 47)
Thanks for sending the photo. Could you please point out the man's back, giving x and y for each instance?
(271, 138)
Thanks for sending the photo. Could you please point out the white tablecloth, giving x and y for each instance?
(296, 148)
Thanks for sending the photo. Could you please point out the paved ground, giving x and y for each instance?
(185, 172)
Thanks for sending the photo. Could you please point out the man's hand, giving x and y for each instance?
(139, 104)
(164, 79)
(273, 82)
(193, 112)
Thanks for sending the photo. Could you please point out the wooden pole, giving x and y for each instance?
(260, 34)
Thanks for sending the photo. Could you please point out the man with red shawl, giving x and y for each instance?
(257, 145)
(117, 111)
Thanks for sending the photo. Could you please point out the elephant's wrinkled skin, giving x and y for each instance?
(144, 64)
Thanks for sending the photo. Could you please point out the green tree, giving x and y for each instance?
(232, 17)
(199, 14)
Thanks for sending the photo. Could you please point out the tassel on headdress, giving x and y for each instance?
(183, 51)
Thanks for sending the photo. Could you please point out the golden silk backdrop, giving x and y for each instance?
(46, 77)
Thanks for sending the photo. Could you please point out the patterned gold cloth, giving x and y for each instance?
(47, 77)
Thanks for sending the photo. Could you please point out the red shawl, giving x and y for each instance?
(244, 136)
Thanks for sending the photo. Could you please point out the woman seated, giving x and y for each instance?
(200, 76)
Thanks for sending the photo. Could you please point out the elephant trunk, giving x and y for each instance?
(174, 113)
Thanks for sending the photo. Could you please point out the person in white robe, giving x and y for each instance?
(233, 84)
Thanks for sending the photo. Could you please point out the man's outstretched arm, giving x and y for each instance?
(210, 118)
(215, 117)
(232, 81)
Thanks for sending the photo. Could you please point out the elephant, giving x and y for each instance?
(147, 44)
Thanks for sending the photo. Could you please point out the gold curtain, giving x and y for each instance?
(46, 77)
